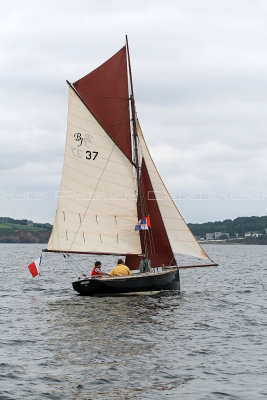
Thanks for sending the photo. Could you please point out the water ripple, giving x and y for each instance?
(206, 342)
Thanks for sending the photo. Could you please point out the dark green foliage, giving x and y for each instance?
(24, 222)
(19, 231)
(24, 236)
(252, 240)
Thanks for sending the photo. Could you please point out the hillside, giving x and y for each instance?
(23, 231)
(240, 225)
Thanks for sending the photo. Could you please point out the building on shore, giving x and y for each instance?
(217, 235)
(209, 236)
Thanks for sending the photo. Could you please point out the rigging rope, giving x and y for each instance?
(73, 263)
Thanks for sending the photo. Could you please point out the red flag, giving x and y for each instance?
(34, 266)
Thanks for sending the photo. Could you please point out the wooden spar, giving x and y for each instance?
(139, 197)
(133, 119)
(129, 62)
(121, 254)
(193, 266)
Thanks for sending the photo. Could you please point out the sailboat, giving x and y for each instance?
(110, 182)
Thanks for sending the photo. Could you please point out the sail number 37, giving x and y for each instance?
(85, 140)
(89, 155)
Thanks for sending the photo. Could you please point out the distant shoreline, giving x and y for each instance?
(23, 231)
(241, 231)
(232, 242)
(218, 243)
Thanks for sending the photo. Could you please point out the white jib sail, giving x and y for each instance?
(180, 237)
(96, 209)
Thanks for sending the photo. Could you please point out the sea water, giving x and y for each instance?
(206, 342)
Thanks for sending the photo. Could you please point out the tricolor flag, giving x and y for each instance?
(143, 224)
(34, 266)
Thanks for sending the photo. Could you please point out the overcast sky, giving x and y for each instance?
(200, 78)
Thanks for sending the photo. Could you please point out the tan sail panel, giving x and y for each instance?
(96, 209)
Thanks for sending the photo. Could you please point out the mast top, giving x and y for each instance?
(129, 63)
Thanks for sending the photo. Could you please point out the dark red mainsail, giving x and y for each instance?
(159, 250)
(105, 93)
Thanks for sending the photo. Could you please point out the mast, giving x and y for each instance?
(140, 205)
(133, 117)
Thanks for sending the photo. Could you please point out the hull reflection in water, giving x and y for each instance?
(151, 282)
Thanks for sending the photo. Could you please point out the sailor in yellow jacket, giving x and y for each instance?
(120, 270)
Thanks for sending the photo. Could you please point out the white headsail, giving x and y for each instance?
(180, 237)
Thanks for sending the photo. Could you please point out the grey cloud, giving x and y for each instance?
(199, 72)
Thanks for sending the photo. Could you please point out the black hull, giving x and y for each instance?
(152, 282)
